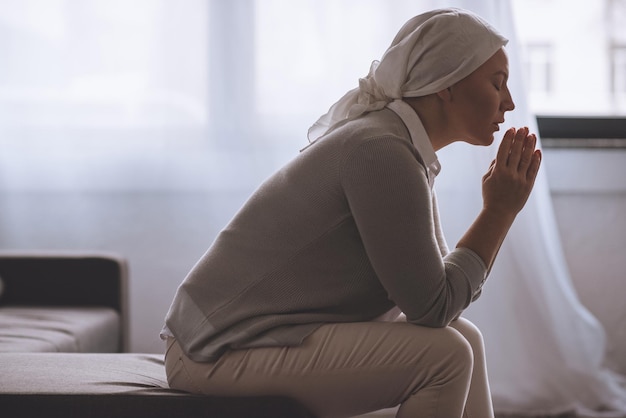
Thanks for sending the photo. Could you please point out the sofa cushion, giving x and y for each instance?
(114, 385)
(64, 329)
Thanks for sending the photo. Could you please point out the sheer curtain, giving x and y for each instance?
(210, 97)
(545, 350)
(102, 95)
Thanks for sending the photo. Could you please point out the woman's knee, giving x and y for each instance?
(459, 346)
(470, 332)
(451, 351)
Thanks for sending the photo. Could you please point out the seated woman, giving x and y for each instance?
(334, 284)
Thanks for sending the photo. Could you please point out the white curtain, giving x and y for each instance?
(545, 350)
(177, 96)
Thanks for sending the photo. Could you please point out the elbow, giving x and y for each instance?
(439, 307)
(442, 310)
(429, 324)
(434, 318)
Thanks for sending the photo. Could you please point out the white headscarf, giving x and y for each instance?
(430, 53)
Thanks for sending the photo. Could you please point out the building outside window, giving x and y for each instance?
(619, 69)
(575, 56)
(538, 65)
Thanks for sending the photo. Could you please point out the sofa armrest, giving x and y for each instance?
(46, 279)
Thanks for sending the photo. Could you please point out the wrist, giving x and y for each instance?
(499, 213)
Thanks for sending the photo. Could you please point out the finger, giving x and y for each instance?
(527, 153)
(535, 163)
(505, 146)
(489, 170)
(516, 148)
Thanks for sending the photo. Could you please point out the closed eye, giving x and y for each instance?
(499, 80)
(498, 83)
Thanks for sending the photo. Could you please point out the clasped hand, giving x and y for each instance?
(511, 175)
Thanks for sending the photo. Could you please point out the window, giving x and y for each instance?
(108, 63)
(575, 63)
(103, 94)
(301, 43)
(538, 67)
(618, 60)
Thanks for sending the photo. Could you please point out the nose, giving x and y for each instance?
(507, 102)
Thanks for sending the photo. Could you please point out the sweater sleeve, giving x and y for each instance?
(441, 239)
(390, 199)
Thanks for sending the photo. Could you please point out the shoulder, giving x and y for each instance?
(369, 143)
(380, 123)
(383, 137)
(384, 154)
(380, 129)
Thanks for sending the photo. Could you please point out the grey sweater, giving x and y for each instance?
(345, 232)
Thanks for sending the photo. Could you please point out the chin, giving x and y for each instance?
(489, 141)
(484, 141)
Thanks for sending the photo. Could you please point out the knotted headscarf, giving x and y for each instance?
(430, 53)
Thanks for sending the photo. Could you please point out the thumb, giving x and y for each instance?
(490, 169)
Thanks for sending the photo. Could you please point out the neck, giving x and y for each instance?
(430, 111)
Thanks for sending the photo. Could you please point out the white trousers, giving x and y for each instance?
(342, 370)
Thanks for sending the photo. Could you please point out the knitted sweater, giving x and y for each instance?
(347, 231)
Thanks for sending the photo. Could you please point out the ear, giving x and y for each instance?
(445, 95)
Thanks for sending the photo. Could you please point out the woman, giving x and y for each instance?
(334, 284)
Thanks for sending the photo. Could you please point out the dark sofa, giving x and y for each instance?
(93, 384)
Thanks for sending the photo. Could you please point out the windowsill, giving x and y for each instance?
(582, 132)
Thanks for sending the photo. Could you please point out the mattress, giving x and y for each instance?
(59, 329)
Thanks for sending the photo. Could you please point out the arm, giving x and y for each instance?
(506, 188)
(390, 200)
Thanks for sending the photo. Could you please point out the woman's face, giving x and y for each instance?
(479, 101)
